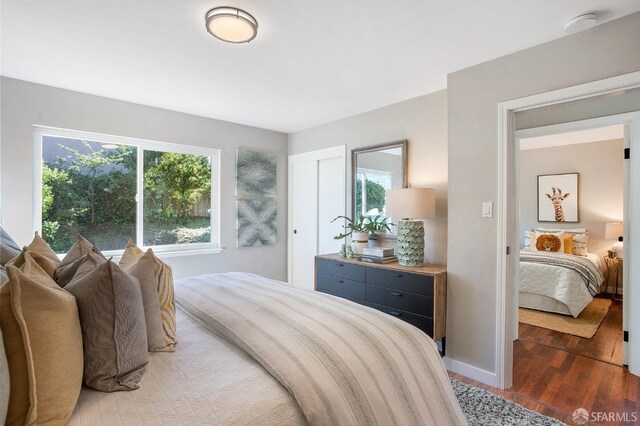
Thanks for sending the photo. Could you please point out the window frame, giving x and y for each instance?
(170, 250)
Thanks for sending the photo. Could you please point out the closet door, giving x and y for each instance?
(317, 191)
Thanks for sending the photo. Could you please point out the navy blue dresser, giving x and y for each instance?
(415, 295)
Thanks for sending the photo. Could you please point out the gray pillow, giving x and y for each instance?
(113, 327)
(78, 268)
(3, 278)
(8, 248)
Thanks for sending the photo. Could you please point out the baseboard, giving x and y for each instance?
(470, 371)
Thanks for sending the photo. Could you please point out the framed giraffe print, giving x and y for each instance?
(558, 198)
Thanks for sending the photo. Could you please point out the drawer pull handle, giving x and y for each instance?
(398, 275)
(396, 294)
(395, 313)
(341, 281)
(340, 264)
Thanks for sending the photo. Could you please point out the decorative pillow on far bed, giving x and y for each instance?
(580, 237)
(43, 342)
(550, 241)
(113, 328)
(156, 282)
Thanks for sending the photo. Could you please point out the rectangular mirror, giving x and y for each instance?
(374, 170)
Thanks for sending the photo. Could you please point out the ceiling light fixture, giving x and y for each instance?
(581, 23)
(231, 24)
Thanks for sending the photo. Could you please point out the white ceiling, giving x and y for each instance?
(600, 134)
(312, 62)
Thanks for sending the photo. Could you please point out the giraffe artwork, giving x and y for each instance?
(558, 198)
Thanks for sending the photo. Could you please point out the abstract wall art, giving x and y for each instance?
(256, 173)
(257, 222)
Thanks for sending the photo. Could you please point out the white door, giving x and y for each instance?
(317, 191)
(304, 246)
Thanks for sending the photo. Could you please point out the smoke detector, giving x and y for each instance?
(581, 23)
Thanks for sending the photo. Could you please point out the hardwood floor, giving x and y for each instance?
(605, 346)
(554, 374)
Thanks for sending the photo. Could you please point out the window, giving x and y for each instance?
(114, 189)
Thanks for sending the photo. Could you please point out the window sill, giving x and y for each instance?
(166, 253)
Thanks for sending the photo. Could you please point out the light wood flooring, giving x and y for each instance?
(554, 373)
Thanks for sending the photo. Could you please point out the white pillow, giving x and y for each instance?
(560, 236)
(580, 244)
(568, 230)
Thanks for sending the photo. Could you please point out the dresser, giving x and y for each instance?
(415, 295)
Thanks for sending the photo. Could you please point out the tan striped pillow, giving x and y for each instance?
(156, 282)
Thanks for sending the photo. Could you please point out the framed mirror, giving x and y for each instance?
(375, 169)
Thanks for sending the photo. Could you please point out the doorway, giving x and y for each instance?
(317, 194)
(569, 287)
(507, 220)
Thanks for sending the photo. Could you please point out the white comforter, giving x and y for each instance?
(557, 282)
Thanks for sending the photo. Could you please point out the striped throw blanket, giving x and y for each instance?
(589, 273)
(344, 364)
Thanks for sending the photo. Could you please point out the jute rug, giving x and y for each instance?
(585, 325)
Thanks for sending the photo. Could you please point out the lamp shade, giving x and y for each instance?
(413, 203)
(613, 230)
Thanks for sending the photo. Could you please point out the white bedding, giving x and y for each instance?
(540, 282)
(206, 381)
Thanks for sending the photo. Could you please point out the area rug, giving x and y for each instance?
(585, 325)
(485, 408)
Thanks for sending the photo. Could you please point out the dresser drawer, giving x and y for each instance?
(423, 323)
(349, 289)
(398, 299)
(399, 280)
(341, 269)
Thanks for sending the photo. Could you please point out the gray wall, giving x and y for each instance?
(600, 186)
(25, 104)
(423, 122)
(473, 95)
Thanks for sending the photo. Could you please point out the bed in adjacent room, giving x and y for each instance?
(555, 279)
(257, 351)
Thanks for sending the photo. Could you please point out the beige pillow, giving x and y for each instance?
(162, 286)
(113, 328)
(40, 246)
(4, 382)
(43, 261)
(149, 270)
(78, 250)
(43, 341)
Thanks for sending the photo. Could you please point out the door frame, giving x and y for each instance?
(507, 237)
(339, 151)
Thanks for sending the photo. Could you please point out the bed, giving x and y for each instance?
(257, 351)
(558, 282)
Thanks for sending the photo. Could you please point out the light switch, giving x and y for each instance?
(487, 209)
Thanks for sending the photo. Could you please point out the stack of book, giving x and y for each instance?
(377, 255)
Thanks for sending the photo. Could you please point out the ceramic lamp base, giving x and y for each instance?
(411, 242)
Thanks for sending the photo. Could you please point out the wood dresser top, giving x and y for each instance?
(427, 269)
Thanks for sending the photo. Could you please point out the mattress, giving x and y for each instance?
(206, 381)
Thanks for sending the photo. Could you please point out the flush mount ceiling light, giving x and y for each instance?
(581, 23)
(231, 24)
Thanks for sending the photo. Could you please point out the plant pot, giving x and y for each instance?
(360, 236)
(358, 246)
(381, 232)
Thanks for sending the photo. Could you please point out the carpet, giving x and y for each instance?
(485, 408)
(585, 325)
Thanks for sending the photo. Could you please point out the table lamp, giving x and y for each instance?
(411, 205)
(614, 231)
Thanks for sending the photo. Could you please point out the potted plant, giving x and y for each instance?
(379, 225)
(358, 229)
